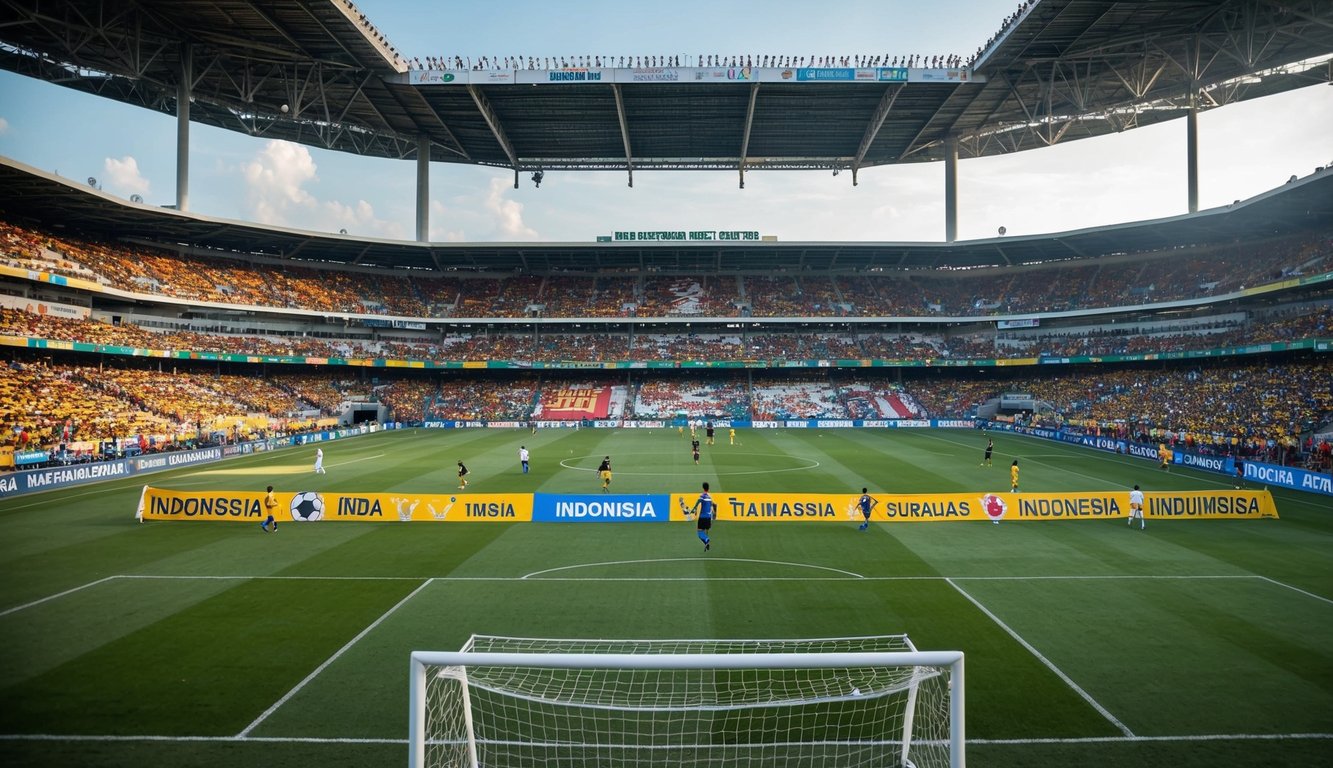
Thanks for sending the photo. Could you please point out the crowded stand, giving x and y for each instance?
(705, 398)
(1280, 325)
(1147, 278)
(1256, 409)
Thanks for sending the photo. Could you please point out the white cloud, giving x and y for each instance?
(123, 177)
(507, 214)
(276, 193)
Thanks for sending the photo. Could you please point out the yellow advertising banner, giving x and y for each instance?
(311, 506)
(925, 507)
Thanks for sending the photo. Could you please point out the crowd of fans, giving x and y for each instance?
(1252, 409)
(596, 61)
(1305, 322)
(46, 405)
(1155, 277)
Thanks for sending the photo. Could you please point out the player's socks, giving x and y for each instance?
(264, 526)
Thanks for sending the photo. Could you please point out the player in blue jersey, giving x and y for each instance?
(866, 504)
(703, 507)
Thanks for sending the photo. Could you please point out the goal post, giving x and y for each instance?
(629, 703)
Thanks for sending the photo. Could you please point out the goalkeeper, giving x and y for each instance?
(703, 507)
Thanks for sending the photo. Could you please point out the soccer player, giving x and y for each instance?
(604, 472)
(703, 506)
(270, 506)
(1136, 506)
(866, 504)
(1013, 477)
(1164, 454)
(523, 457)
(319, 461)
(708, 432)
(990, 448)
(1240, 474)
(462, 476)
(731, 435)
(694, 448)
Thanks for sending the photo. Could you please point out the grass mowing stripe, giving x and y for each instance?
(276, 705)
(1031, 649)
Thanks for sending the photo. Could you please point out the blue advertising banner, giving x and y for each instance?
(601, 508)
(1288, 477)
(17, 483)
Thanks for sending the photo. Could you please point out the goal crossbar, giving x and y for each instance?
(444, 661)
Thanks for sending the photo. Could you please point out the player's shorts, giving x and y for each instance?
(606, 476)
(705, 523)
(988, 453)
(866, 512)
(1135, 507)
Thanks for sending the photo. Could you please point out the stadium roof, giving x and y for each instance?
(1066, 69)
(36, 198)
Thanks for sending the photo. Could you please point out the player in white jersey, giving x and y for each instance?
(319, 461)
(1136, 506)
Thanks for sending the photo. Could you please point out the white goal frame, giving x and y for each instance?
(461, 660)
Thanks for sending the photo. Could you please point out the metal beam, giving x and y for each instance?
(749, 123)
(493, 122)
(876, 122)
(624, 132)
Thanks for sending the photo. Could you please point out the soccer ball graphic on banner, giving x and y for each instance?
(307, 507)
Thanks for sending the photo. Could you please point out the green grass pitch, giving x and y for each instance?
(1193, 643)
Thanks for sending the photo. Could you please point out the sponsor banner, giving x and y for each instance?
(243, 506)
(1223, 464)
(576, 403)
(175, 459)
(571, 75)
(1288, 477)
(438, 77)
(954, 423)
(601, 508)
(31, 457)
(313, 507)
(6, 456)
(427, 507)
(45, 308)
(673, 74)
(1022, 322)
(15, 483)
(778, 507)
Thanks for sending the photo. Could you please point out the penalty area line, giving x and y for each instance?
(329, 661)
(1047, 662)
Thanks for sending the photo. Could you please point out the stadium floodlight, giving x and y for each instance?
(537, 177)
(856, 701)
(1002, 231)
(342, 231)
(136, 198)
(92, 182)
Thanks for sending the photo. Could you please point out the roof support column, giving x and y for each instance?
(183, 89)
(1192, 150)
(950, 189)
(423, 188)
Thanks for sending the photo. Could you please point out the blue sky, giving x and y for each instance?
(1245, 148)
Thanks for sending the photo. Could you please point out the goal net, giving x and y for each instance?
(847, 702)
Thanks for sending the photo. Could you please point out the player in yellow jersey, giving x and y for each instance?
(731, 435)
(1013, 477)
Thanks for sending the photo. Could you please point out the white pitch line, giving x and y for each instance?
(690, 559)
(1049, 664)
(1295, 589)
(246, 732)
(1140, 739)
(18, 608)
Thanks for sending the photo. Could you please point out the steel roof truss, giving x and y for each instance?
(493, 122)
(624, 132)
